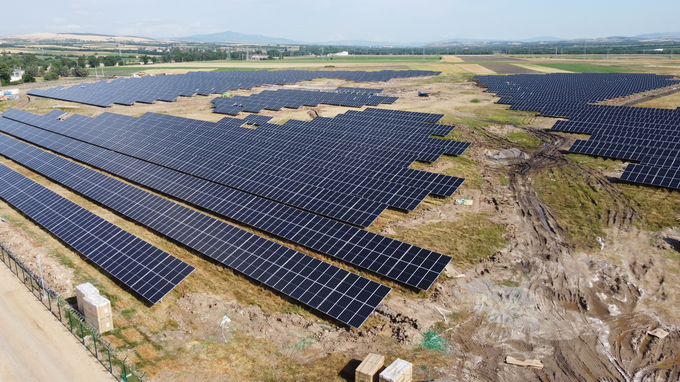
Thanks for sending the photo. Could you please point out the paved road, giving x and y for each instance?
(34, 346)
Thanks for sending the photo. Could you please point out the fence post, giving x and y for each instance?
(70, 323)
(110, 366)
(59, 308)
(82, 333)
(96, 355)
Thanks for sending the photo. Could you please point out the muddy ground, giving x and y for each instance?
(581, 309)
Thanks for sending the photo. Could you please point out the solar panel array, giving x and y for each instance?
(294, 99)
(649, 136)
(352, 176)
(402, 262)
(145, 269)
(126, 91)
(345, 296)
(369, 91)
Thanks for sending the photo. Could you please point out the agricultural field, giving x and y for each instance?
(529, 277)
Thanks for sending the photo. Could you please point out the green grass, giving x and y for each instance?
(464, 168)
(509, 283)
(657, 208)
(128, 313)
(587, 68)
(475, 100)
(576, 202)
(239, 69)
(360, 58)
(484, 116)
(468, 239)
(524, 139)
(6, 105)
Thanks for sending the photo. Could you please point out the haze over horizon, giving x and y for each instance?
(380, 20)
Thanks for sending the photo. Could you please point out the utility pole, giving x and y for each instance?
(556, 53)
(584, 49)
(228, 53)
(608, 54)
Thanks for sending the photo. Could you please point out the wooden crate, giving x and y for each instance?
(369, 367)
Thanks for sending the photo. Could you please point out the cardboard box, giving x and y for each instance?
(96, 307)
(84, 290)
(398, 371)
(103, 325)
(369, 367)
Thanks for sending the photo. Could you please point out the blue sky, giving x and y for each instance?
(327, 20)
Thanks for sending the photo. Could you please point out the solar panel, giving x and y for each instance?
(345, 296)
(278, 99)
(402, 262)
(145, 269)
(126, 91)
(649, 136)
(276, 163)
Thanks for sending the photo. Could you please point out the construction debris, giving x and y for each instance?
(532, 363)
(512, 153)
(658, 332)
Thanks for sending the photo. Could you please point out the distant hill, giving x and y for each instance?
(543, 38)
(236, 38)
(659, 35)
(73, 36)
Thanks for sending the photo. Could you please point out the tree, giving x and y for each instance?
(64, 71)
(154, 59)
(82, 61)
(110, 60)
(51, 76)
(27, 78)
(93, 61)
(145, 59)
(80, 72)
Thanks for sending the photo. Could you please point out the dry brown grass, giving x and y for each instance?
(147, 352)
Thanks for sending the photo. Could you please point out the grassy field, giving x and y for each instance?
(590, 68)
(358, 59)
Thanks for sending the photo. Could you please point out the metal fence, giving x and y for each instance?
(103, 350)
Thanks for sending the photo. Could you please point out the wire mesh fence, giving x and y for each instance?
(102, 349)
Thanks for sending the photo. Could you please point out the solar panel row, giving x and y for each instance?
(145, 269)
(126, 91)
(242, 158)
(344, 89)
(649, 136)
(394, 259)
(336, 292)
(293, 99)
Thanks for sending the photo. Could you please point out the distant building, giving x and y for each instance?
(259, 57)
(338, 54)
(16, 75)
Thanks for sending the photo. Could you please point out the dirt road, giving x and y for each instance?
(34, 346)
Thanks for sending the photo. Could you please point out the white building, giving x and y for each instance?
(338, 54)
(259, 57)
(16, 75)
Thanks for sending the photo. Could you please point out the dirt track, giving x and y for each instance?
(34, 346)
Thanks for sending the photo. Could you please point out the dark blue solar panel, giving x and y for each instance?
(145, 269)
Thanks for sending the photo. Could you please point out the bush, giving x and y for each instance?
(475, 100)
(80, 72)
(51, 76)
(27, 78)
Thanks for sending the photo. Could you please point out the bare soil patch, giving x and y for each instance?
(508, 69)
